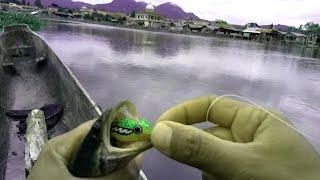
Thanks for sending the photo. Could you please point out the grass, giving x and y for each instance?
(17, 18)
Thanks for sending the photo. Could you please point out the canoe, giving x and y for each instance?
(33, 76)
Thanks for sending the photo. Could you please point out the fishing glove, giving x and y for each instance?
(53, 160)
(246, 143)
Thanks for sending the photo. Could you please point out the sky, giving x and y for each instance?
(289, 12)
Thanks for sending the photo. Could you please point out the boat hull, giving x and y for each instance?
(38, 78)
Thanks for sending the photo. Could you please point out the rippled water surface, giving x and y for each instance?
(158, 70)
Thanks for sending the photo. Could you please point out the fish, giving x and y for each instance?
(102, 152)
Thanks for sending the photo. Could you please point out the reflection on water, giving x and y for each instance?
(158, 70)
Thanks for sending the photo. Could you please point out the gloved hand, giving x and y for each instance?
(247, 143)
(54, 157)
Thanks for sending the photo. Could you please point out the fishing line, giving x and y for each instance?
(251, 102)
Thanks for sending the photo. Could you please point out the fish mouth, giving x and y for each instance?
(100, 154)
(134, 146)
(117, 150)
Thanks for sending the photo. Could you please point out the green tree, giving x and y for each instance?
(38, 3)
(107, 17)
(221, 23)
(312, 28)
(133, 14)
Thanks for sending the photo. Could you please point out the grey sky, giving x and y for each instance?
(291, 12)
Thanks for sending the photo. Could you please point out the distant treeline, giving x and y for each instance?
(311, 28)
(14, 18)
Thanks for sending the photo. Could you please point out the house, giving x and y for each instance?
(193, 27)
(52, 10)
(313, 40)
(252, 31)
(14, 7)
(130, 21)
(269, 33)
(209, 29)
(150, 19)
(220, 27)
(177, 26)
(294, 37)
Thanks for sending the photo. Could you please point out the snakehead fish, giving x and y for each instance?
(115, 138)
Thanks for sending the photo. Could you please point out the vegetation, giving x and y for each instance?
(13, 18)
(222, 24)
(133, 14)
(312, 28)
(38, 3)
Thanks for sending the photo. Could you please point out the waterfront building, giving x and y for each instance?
(294, 37)
(313, 40)
(195, 27)
(269, 33)
(222, 28)
(252, 31)
(51, 10)
(11, 7)
(178, 26)
(86, 11)
(150, 19)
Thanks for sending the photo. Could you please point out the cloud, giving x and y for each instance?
(291, 12)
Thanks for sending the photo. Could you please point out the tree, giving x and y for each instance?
(38, 3)
(133, 14)
(23, 2)
(312, 28)
(55, 5)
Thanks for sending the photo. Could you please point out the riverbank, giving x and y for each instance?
(166, 30)
(309, 51)
(34, 23)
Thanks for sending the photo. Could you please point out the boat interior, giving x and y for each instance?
(31, 76)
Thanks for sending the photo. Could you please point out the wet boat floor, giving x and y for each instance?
(27, 90)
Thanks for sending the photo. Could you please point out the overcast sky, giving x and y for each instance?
(290, 12)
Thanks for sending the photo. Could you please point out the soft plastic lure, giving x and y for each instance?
(130, 130)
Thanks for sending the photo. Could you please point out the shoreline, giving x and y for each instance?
(303, 48)
(196, 34)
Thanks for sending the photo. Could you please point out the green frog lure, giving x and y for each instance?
(115, 138)
(131, 130)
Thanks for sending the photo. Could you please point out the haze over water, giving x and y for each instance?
(159, 70)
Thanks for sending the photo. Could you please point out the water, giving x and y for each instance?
(158, 70)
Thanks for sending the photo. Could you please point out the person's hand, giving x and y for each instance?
(247, 142)
(53, 160)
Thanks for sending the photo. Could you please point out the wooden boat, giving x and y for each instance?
(32, 76)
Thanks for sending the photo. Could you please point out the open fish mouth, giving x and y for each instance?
(99, 153)
(124, 110)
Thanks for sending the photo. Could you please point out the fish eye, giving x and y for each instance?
(137, 130)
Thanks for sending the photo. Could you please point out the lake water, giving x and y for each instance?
(159, 70)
